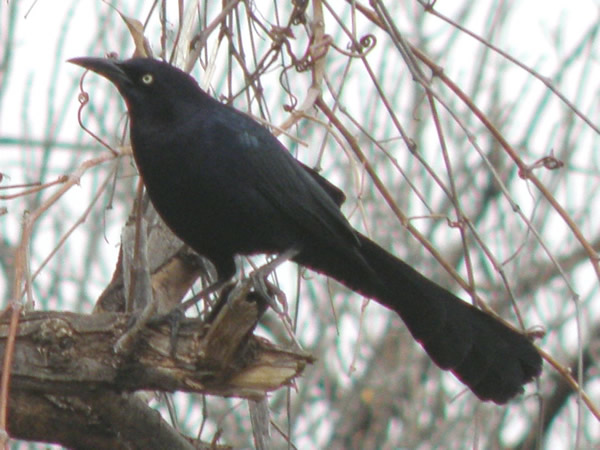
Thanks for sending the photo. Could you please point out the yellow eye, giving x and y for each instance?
(147, 79)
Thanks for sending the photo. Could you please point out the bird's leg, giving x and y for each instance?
(256, 278)
(266, 290)
(216, 286)
(262, 286)
(174, 317)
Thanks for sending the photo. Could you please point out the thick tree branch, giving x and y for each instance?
(65, 362)
(62, 353)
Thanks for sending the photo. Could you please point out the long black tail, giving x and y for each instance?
(492, 359)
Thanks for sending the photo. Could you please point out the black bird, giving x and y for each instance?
(226, 186)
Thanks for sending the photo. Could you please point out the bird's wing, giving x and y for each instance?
(292, 188)
(336, 194)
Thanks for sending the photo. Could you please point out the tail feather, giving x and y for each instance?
(491, 358)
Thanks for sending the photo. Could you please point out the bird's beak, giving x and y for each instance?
(105, 67)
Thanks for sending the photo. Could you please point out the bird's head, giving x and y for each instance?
(149, 86)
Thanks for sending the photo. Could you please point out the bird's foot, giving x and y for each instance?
(265, 288)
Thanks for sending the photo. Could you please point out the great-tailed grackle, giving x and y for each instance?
(226, 186)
